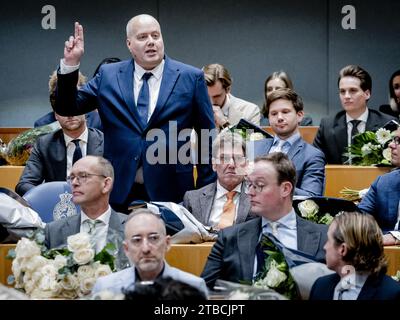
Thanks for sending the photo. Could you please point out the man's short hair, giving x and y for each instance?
(285, 94)
(359, 73)
(214, 72)
(105, 167)
(139, 211)
(364, 241)
(284, 167)
(227, 138)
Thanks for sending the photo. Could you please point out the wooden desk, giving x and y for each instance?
(9, 176)
(353, 177)
(6, 134)
(191, 258)
(308, 133)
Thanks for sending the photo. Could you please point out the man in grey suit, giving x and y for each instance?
(270, 188)
(229, 162)
(335, 132)
(52, 155)
(146, 243)
(91, 179)
(285, 111)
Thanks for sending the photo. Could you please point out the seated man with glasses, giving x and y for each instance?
(91, 180)
(383, 198)
(223, 202)
(270, 187)
(146, 244)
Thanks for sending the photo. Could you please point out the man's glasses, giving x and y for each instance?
(396, 140)
(237, 159)
(82, 177)
(152, 239)
(258, 187)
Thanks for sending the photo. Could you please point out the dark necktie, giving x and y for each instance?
(354, 129)
(261, 255)
(144, 99)
(78, 152)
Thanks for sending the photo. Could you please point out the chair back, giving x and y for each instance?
(52, 200)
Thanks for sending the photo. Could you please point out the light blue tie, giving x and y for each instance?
(144, 99)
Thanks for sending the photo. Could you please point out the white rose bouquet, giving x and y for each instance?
(66, 273)
(310, 210)
(371, 148)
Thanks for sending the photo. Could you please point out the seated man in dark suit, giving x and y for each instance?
(224, 202)
(92, 118)
(91, 180)
(336, 132)
(52, 155)
(355, 252)
(270, 188)
(383, 198)
(285, 111)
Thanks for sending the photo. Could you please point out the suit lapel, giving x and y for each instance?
(295, 148)
(115, 228)
(207, 200)
(169, 78)
(93, 145)
(247, 240)
(125, 82)
(370, 287)
(59, 150)
(339, 132)
(72, 226)
(261, 147)
(307, 239)
(244, 206)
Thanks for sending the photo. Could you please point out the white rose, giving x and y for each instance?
(36, 263)
(69, 283)
(102, 270)
(83, 256)
(256, 136)
(239, 295)
(16, 269)
(87, 285)
(26, 248)
(60, 261)
(29, 286)
(79, 241)
(40, 294)
(49, 270)
(85, 272)
(274, 277)
(48, 283)
(108, 295)
(366, 149)
(387, 154)
(308, 208)
(69, 294)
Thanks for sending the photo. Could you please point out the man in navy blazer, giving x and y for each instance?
(52, 154)
(270, 189)
(143, 144)
(335, 132)
(383, 197)
(285, 111)
(355, 252)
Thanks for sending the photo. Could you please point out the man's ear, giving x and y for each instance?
(343, 249)
(286, 188)
(108, 183)
(168, 242)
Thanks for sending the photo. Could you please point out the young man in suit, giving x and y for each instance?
(335, 132)
(146, 243)
(228, 109)
(270, 188)
(210, 204)
(91, 179)
(285, 112)
(52, 155)
(150, 96)
(354, 250)
(383, 198)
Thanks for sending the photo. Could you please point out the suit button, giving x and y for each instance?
(136, 158)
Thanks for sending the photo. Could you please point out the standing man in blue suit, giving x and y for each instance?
(148, 106)
(383, 197)
(285, 111)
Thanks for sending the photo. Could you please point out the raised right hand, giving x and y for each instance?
(74, 47)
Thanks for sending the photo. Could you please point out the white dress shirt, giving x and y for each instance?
(219, 201)
(351, 286)
(101, 230)
(71, 147)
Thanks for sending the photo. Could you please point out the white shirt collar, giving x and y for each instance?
(157, 71)
(221, 191)
(83, 137)
(363, 117)
(104, 217)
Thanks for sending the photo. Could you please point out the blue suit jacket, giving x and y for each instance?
(183, 100)
(381, 287)
(309, 163)
(382, 200)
